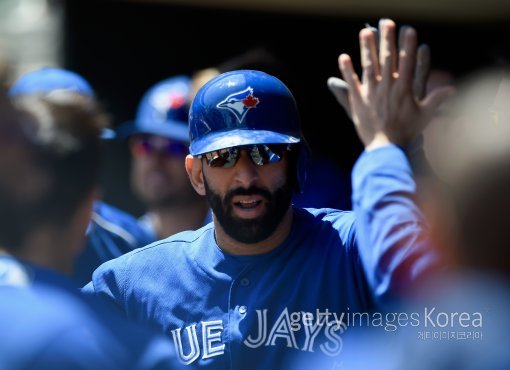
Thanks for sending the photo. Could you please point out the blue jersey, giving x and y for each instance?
(48, 324)
(110, 234)
(258, 312)
(46, 328)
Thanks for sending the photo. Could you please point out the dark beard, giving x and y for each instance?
(253, 230)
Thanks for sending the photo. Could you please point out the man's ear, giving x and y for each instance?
(194, 170)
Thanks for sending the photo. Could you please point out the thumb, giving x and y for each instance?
(437, 97)
(340, 89)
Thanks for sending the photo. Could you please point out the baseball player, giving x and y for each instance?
(158, 140)
(49, 162)
(265, 281)
(111, 232)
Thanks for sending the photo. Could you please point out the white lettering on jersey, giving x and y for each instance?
(211, 333)
(311, 332)
(285, 328)
(334, 347)
(282, 329)
(193, 343)
(261, 338)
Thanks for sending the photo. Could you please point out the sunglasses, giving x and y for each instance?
(144, 146)
(260, 155)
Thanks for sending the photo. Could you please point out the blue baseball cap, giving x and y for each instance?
(163, 111)
(49, 79)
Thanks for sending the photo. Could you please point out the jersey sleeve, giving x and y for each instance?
(149, 348)
(392, 234)
(107, 286)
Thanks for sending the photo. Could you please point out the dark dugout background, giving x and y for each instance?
(123, 48)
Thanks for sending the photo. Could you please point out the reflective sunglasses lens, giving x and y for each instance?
(259, 154)
(263, 154)
(222, 158)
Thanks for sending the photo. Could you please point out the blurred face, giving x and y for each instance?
(442, 133)
(158, 175)
(248, 200)
(442, 137)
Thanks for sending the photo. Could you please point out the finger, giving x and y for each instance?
(407, 58)
(376, 35)
(369, 61)
(387, 49)
(350, 76)
(422, 71)
(340, 90)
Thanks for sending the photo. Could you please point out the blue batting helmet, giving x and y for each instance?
(163, 110)
(47, 80)
(245, 107)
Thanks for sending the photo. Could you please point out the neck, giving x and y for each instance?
(44, 248)
(169, 220)
(231, 246)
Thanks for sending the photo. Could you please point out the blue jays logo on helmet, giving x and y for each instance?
(168, 98)
(240, 103)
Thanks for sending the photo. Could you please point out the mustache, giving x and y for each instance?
(250, 191)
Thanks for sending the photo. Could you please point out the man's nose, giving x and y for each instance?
(246, 172)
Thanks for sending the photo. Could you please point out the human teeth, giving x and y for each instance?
(247, 201)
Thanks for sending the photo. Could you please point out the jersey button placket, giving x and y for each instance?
(243, 283)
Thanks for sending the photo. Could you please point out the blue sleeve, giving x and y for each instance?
(151, 350)
(391, 230)
(107, 286)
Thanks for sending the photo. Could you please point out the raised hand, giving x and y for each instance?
(388, 105)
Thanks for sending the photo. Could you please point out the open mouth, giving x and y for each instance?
(248, 204)
(249, 207)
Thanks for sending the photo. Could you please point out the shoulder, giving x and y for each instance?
(120, 223)
(183, 240)
(327, 221)
(318, 216)
(175, 247)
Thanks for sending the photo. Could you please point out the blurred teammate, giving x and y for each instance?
(111, 232)
(158, 140)
(49, 164)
